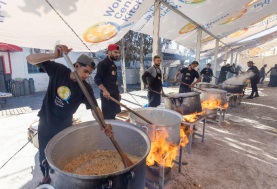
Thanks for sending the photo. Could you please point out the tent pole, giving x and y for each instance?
(156, 33)
(225, 53)
(123, 66)
(215, 59)
(232, 59)
(198, 45)
(156, 28)
(141, 70)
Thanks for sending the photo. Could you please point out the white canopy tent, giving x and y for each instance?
(34, 23)
(90, 25)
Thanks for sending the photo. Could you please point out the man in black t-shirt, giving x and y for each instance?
(106, 79)
(188, 76)
(254, 80)
(223, 73)
(152, 79)
(62, 98)
(207, 73)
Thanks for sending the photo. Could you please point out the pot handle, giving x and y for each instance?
(145, 128)
(108, 185)
(129, 176)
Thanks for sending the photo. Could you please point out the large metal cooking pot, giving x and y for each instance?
(231, 88)
(184, 103)
(213, 94)
(203, 85)
(163, 118)
(86, 137)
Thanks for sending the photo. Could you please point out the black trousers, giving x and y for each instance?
(184, 90)
(46, 132)
(43, 141)
(109, 108)
(154, 99)
(262, 79)
(207, 80)
(273, 81)
(221, 79)
(254, 87)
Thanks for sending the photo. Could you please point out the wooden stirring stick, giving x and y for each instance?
(126, 161)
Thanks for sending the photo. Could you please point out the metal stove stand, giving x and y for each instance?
(234, 99)
(191, 136)
(192, 127)
(157, 180)
(218, 117)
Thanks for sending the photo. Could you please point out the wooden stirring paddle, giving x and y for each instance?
(126, 161)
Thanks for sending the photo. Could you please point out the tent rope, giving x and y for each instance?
(68, 26)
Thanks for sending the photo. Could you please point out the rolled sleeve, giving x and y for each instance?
(196, 74)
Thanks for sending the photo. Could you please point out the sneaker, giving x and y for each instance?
(249, 97)
(257, 96)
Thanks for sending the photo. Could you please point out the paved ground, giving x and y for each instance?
(23, 170)
(241, 154)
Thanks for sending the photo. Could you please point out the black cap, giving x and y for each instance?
(85, 59)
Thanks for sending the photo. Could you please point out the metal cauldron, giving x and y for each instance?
(86, 137)
(214, 94)
(203, 85)
(184, 103)
(231, 88)
(163, 118)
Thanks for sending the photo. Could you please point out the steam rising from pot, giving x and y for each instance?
(240, 79)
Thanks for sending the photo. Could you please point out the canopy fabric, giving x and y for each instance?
(9, 47)
(33, 23)
(269, 40)
(229, 20)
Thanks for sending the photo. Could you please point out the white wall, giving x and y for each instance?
(20, 68)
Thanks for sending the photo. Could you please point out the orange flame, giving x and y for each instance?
(191, 117)
(211, 104)
(226, 105)
(183, 137)
(162, 151)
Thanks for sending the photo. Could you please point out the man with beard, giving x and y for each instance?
(152, 78)
(207, 73)
(223, 73)
(188, 76)
(254, 80)
(106, 79)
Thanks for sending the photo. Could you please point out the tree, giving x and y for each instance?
(145, 44)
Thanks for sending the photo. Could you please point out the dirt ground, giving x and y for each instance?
(240, 154)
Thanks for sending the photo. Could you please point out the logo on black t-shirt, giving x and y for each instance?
(64, 93)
